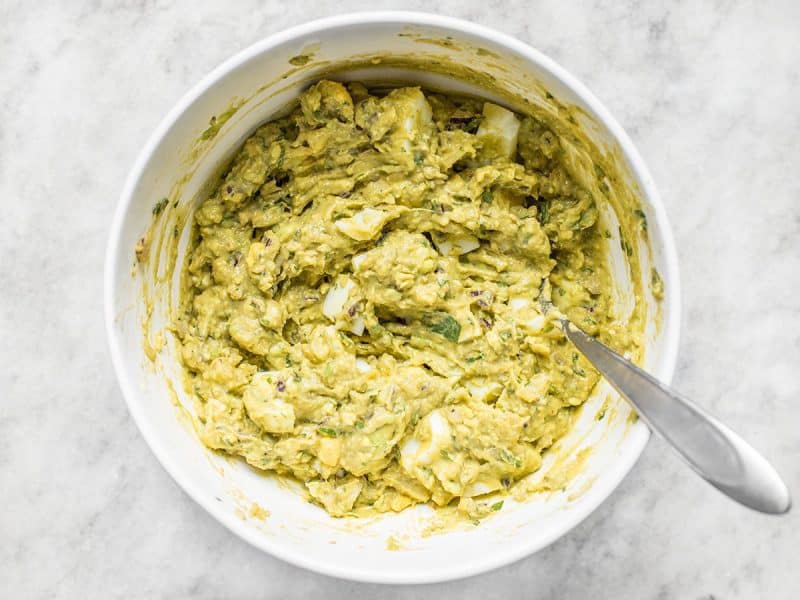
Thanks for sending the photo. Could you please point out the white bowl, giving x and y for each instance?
(173, 164)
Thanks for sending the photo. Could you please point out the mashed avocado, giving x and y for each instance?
(360, 303)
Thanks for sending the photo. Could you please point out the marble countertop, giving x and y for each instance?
(708, 92)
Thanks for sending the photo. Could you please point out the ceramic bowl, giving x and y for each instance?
(185, 152)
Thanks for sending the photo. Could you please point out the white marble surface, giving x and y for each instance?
(708, 91)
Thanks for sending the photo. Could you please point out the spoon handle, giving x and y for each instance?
(712, 449)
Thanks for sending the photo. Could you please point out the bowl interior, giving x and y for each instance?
(186, 152)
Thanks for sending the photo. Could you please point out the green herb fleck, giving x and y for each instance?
(327, 431)
(447, 327)
(509, 458)
(505, 335)
(487, 196)
(288, 360)
(211, 131)
(497, 506)
(359, 424)
(640, 213)
(216, 123)
(444, 454)
(575, 368)
(160, 206)
(657, 284)
(598, 170)
(419, 158)
(626, 247)
(474, 358)
(587, 219)
(544, 214)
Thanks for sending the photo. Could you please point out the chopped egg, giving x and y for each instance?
(335, 299)
(456, 245)
(498, 130)
(364, 225)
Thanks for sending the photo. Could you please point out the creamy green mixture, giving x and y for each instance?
(361, 300)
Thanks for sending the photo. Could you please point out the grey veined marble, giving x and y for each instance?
(707, 90)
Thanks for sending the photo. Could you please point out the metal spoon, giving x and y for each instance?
(715, 452)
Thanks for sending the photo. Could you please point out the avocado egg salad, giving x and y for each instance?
(360, 305)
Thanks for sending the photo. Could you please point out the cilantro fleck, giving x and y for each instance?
(626, 247)
(598, 170)
(544, 213)
(327, 431)
(509, 458)
(657, 284)
(472, 125)
(586, 220)
(497, 506)
(447, 327)
(487, 195)
(474, 358)
(160, 206)
(575, 368)
(640, 213)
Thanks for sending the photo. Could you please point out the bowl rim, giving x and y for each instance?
(671, 332)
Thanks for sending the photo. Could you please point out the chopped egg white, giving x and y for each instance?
(519, 303)
(357, 325)
(482, 392)
(480, 487)
(526, 315)
(363, 366)
(415, 454)
(500, 129)
(364, 225)
(335, 299)
(357, 260)
(456, 244)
